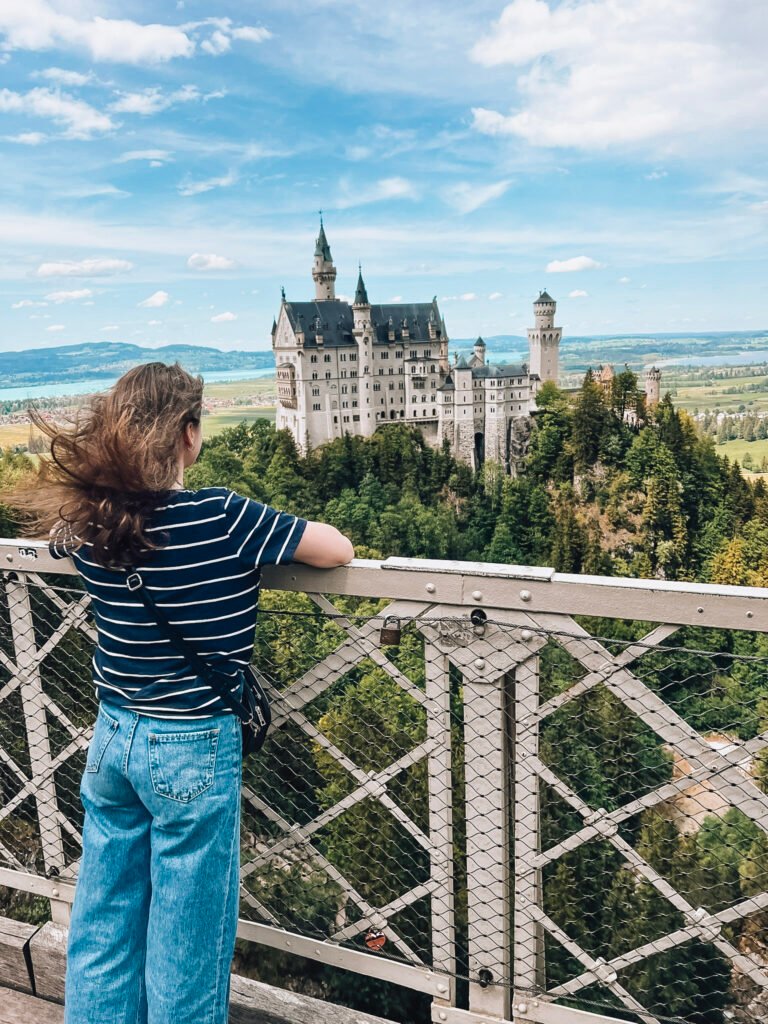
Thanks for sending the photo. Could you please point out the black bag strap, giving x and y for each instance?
(215, 679)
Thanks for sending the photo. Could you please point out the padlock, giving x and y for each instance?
(375, 939)
(390, 632)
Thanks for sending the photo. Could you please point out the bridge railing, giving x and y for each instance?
(522, 793)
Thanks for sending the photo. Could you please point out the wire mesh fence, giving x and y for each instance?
(537, 808)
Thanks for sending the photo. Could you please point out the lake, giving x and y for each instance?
(86, 387)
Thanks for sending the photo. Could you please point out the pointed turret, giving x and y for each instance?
(323, 270)
(361, 295)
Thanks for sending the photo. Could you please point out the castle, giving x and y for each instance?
(349, 368)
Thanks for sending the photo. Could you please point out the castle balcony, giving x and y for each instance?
(286, 385)
(491, 793)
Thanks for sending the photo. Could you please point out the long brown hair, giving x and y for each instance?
(106, 469)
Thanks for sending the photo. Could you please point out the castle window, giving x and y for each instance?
(345, 405)
(354, 406)
(327, 357)
(343, 389)
(354, 389)
(316, 407)
(381, 371)
(401, 385)
(353, 357)
(391, 387)
(343, 358)
(414, 353)
(399, 354)
(335, 419)
(314, 376)
(356, 419)
(413, 369)
(432, 368)
(376, 386)
(346, 419)
(391, 370)
(315, 392)
(313, 359)
(327, 374)
(384, 355)
(343, 373)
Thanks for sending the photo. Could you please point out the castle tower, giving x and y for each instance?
(544, 339)
(323, 270)
(652, 387)
(362, 331)
(478, 358)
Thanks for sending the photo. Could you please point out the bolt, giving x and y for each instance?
(525, 595)
(442, 988)
(430, 588)
(479, 664)
(700, 611)
(522, 1007)
(477, 595)
(442, 1016)
(526, 635)
(750, 614)
(54, 892)
(9, 558)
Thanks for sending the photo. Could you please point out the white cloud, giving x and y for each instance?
(220, 40)
(217, 43)
(624, 280)
(61, 76)
(494, 296)
(396, 298)
(222, 318)
(154, 323)
(111, 327)
(210, 261)
(73, 296)
(604, 73)
(466, 197)
(578, 293)
(385, 188)
(153, 100)
(250, 34)
(55, 327)
(155, 156)
(195, 188)
(468, 297)
(656, 175)
(27, 138)
(155, 300)
(38, 25)
(79, 119)
(24, 303)
(573, 264)
(84, 268)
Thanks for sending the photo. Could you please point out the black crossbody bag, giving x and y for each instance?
(253, 711)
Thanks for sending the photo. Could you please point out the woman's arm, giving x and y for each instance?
(323, 546)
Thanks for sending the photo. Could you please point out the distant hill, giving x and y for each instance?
(64, 363)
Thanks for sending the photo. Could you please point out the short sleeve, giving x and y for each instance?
(262, 535)
(60, 543)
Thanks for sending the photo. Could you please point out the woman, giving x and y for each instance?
(155, 911)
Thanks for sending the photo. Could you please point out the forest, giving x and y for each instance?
(607, 487)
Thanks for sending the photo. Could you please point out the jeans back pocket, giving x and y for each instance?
(182, 764)
(104, 729)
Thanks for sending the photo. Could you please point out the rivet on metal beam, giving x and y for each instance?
(442, 988)
(477, 595)
(700, 611)
(479, 664)
(750, 614)
(525, 595)
(9, 558)
(430, 588)
(526, 635)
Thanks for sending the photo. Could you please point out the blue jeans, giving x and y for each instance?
(155, 912)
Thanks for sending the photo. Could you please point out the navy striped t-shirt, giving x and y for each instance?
(206, 579)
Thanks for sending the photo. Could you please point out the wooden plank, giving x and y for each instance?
(20, 1008)
(48, 952)
(14, 935)
(253, 1002)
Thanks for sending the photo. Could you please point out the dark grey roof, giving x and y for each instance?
(336, 321)
(321, 246)
(447, 384)
(492, 370)
(480, 342)
(461, 363)
(543, 297)
(361, 295)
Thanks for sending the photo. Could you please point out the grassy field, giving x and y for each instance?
(736, 450)
(215, 422)
(718, 394)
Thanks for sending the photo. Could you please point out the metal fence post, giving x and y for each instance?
(486, 739)
(438, 689)
(33, 704)
(528, 934)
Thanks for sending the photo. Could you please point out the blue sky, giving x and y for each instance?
(163, 164)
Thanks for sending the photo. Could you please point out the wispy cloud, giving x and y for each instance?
(572, 265)
(466, 197)
(377, 191)
(222, 318)
(73, 296)
(153, 100)
(84, 268)
(79, 119)
(578, 293)
(55, 327)
(27, 138)
(61, 76)
(155, 300)
(210, 261)
(154, 156)
(195, 188)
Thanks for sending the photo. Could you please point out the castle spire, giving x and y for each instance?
(323, 270)
(361, 295)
